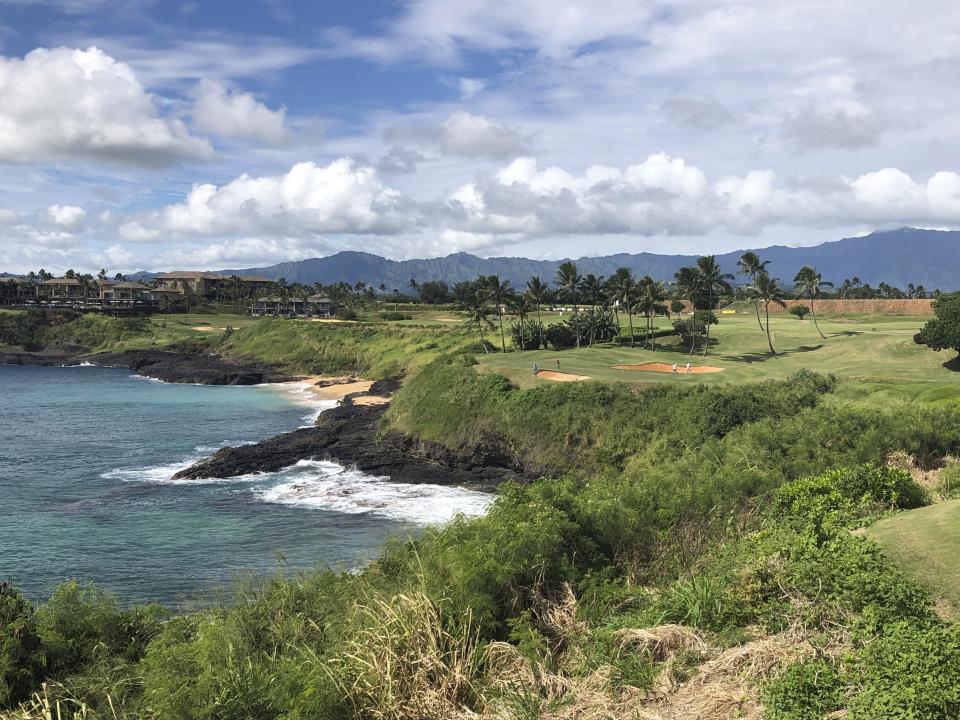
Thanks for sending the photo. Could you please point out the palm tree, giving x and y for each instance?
(751, 266)
(766, 290)
(619, 286)
(478, 310)
(809, 282)
(537, 292)
(569, 282)
(713, 281)
(495, 291)
(690, 285)
(592, 288)
(651, 301)
(521, 307)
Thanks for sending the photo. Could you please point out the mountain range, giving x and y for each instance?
(923, 257)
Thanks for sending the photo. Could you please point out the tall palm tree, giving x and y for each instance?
(478, 311)
(620, 284)
(713, 282)
(766, 290)
(651, 301)
(537, 291)
(592, 289)
(569, 282)
(750, 265)
(689, 284)
(809, 282)
(496, 290)
(521, 306)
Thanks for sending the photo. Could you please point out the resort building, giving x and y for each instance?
(313, 306)
(16, 290)
(214, 285)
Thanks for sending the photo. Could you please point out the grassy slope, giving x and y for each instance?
(926, 543)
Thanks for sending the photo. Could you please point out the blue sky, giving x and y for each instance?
(139, 134)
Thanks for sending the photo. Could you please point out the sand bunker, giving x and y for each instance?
(662, 367)
(561, 376)
(203, 328)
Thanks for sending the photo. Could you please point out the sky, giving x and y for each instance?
(160, 135)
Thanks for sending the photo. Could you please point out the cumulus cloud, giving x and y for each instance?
(667, 196)
(66, 215)
(64, 103)
(342, 197)
(231, 113)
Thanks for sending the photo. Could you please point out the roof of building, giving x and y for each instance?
(189, 275)
(172, 291)
(319, 299)
(13, 278)
(61, 281)
(131, 286)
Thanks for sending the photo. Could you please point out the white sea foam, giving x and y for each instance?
(330, 486)
(164, 473)
(301, 394)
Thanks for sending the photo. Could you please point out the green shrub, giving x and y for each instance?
(909, 672)
(81, 624)
(702, 601)
(948, 485)
(392, 315)
(560, 336)
(801, 311)
(804, 691)
(21, 656)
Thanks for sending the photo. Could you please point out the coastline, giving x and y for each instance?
(347, 431)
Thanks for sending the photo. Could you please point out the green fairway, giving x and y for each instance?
(926, 544)
(878, 351)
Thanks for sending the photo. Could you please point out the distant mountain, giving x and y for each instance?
(923, 257)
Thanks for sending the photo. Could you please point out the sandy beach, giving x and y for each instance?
(341, 387)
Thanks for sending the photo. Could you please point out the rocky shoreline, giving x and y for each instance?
(349, 434)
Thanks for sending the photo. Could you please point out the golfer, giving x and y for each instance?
(535, 369)
(558, 364)
(675, 369)
(689, 372)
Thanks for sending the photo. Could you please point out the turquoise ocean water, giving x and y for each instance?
(86, 456)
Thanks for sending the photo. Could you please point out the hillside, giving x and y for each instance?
(924, 257)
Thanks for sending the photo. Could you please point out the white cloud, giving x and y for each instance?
(830, 112)
(8, 215)
(667, 196)
(66, 215)
(231, 113)
(341, 197)
(64, 103)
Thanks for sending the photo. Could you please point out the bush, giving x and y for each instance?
(392, 315)
(348, 314)
(804, 691)
(21, 657)
(533, 331)
(81, 624)
(910, 672)
(702, 601)
(560, 336)
(801, 311)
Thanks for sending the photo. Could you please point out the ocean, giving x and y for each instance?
(86, 456)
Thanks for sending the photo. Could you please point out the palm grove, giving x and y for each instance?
(610, 309)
